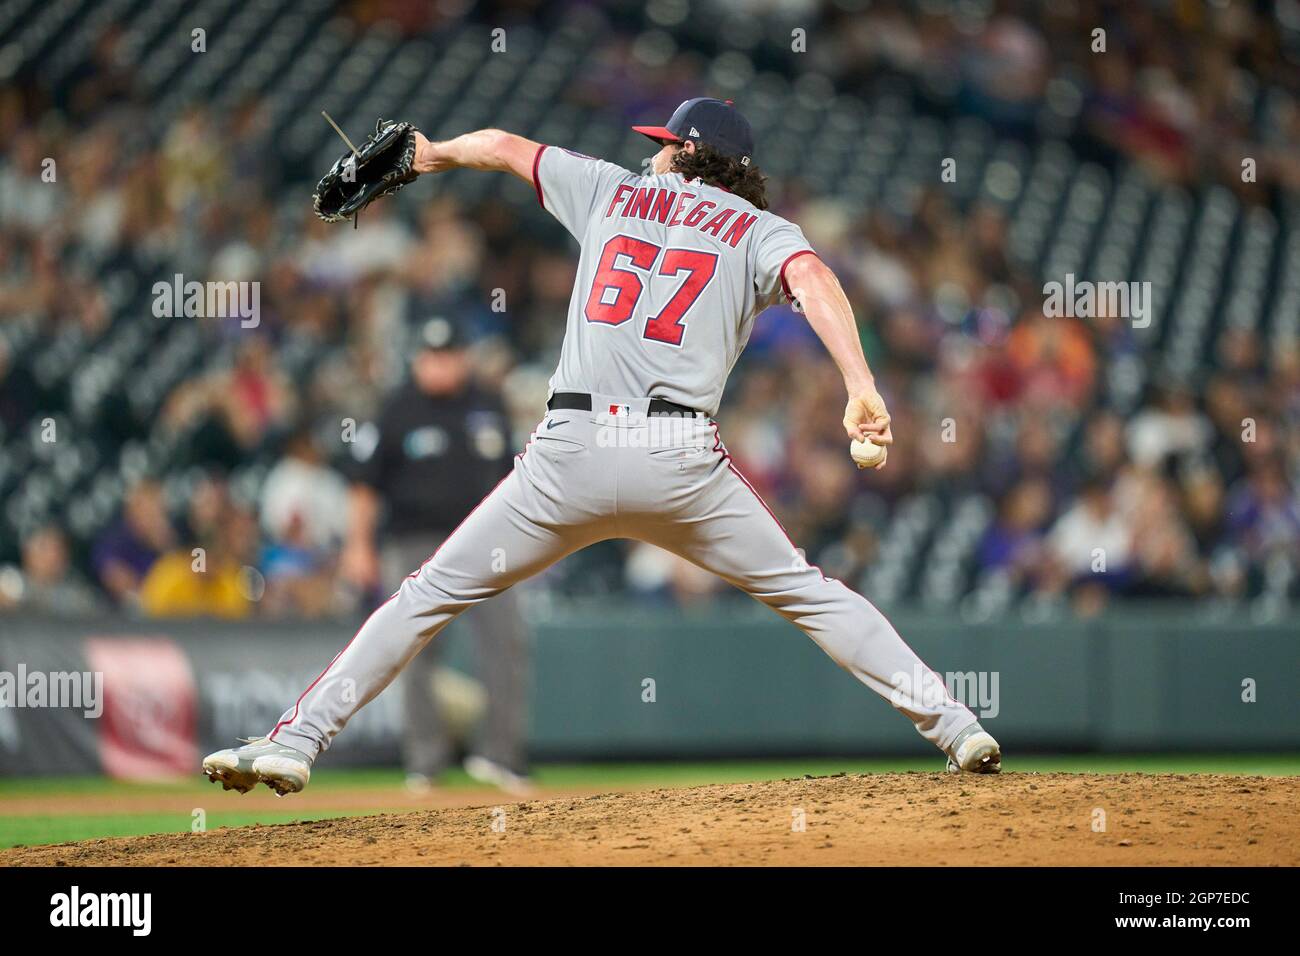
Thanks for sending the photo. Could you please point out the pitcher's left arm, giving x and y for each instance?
(488, 149)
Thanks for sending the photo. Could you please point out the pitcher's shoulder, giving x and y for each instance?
(772, 227)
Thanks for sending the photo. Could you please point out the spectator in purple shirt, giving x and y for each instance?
(1014, 541)
(1264, 513)
(127, 550)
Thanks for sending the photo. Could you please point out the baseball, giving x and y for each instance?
(868, 454)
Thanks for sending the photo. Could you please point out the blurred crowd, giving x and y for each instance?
(1175, 86)
(1195, 494)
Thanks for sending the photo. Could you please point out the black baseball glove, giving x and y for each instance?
(380, 167)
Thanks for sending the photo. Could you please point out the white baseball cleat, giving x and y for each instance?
(419, 784)
(260, 760)
(974, 751)
(496, 775)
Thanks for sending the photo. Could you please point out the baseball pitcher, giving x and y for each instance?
(674, 267)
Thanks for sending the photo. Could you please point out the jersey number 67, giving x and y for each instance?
(617, 289)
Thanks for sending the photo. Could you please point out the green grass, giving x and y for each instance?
(37, 831)
(102, 786)
(34, 830)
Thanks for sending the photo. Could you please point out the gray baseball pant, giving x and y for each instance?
(617, 473)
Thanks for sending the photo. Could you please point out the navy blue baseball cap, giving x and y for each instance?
(715, 123)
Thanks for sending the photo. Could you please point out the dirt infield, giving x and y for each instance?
(867, 819)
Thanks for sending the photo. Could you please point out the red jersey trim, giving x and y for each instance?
(784, 286)
(537, 182)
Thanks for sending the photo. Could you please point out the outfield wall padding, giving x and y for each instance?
(613, 681)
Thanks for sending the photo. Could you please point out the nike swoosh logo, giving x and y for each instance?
(551, 423)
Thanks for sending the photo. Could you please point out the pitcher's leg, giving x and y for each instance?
(731, 532)
(513, 534)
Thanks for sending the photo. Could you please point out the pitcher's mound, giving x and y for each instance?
(868, 819)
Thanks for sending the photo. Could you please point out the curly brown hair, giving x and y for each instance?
(712, 167)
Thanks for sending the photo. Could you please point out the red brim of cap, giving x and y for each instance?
(659, 134)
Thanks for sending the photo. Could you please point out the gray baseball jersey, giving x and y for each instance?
(670, 277)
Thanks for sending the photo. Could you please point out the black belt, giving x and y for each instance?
(581, 401)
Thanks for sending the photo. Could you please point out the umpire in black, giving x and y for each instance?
(441, 445)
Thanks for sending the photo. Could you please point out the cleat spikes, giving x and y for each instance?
(283, 769)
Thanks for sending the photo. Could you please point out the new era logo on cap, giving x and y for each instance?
(715, 123)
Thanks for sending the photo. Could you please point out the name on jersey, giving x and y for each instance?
(669, 207)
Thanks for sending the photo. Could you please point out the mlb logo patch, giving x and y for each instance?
(619, 409)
